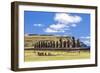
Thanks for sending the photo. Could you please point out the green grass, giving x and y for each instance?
(31, 55)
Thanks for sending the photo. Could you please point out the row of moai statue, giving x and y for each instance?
(68, 43)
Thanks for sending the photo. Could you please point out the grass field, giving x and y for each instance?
(32, 55)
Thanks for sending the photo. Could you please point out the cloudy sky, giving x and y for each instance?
(56, 23)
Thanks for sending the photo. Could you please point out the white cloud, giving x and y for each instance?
(73, 25)
(26, 35)
(63, 22)
(85, 39)
(50, 30)
(37, 25)
(65, 18)
(57, 26)
(87, 42)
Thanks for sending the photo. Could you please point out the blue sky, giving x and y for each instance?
(56, 23)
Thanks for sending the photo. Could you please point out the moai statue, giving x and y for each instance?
(41, 44)
(68, 43)
(64, 44)
(57, 44)
(78, 43)
(60, 40)
(73, 40)
(34, 45)
(46, 44)
(38, 44)
(50, 44)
